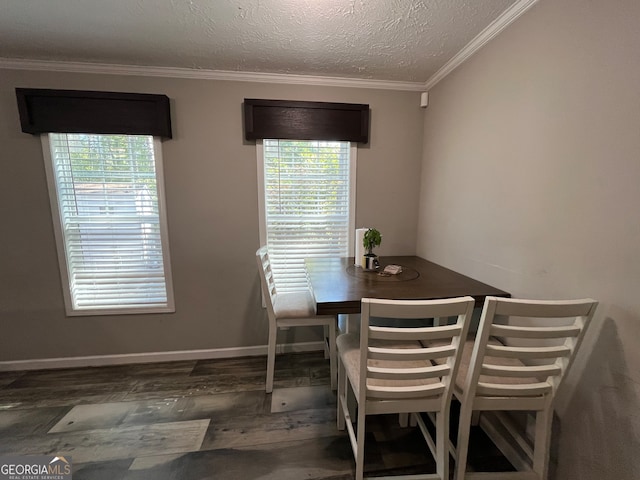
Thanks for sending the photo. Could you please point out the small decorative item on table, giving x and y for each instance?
(372, 238)
(390, 270)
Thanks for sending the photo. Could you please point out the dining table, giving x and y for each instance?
(339, 285)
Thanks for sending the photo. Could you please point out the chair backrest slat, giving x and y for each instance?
(517, 390)
(544, 308)
(533, 371)
(410, 354)
(449, 307)
(402, 393)
(514, 331)
(527, 352)
(418, 333)
(408, 373)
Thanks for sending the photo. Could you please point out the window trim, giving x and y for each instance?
(60, 244)
(353, 157)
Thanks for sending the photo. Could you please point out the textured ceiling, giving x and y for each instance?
(400, 40)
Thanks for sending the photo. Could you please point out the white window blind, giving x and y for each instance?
(308, 205)
(106, 191)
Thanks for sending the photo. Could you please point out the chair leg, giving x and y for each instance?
(462, 448)
(475, 418)
(327, 350)
(542, 443)
(271, 358)
(332, 356)
(403, 420)
(413, 420)
(360, 443)
(442, 444)
(342, 393)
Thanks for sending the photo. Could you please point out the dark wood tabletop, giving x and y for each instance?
(339, 286)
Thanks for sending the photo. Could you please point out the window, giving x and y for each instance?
(308, 190)
(107, 201)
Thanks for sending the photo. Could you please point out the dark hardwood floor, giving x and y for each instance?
(196, 420)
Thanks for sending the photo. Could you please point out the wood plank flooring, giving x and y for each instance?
(207, 419)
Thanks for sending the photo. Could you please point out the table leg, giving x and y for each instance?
(351, 323)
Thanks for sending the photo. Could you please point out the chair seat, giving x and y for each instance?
(349, 347)
(294, 305)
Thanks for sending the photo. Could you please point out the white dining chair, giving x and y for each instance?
(292, 309)
(521, 353)
(390, 370)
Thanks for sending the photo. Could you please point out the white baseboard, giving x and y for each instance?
(153, 357)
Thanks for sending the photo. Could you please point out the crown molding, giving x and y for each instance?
(496, 27)
(171, 72)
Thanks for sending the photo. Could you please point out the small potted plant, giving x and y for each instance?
(372, 239)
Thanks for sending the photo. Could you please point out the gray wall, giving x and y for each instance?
(210, 176)
(531, 182)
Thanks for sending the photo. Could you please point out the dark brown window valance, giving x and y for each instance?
(294, 120)
(76, 111)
